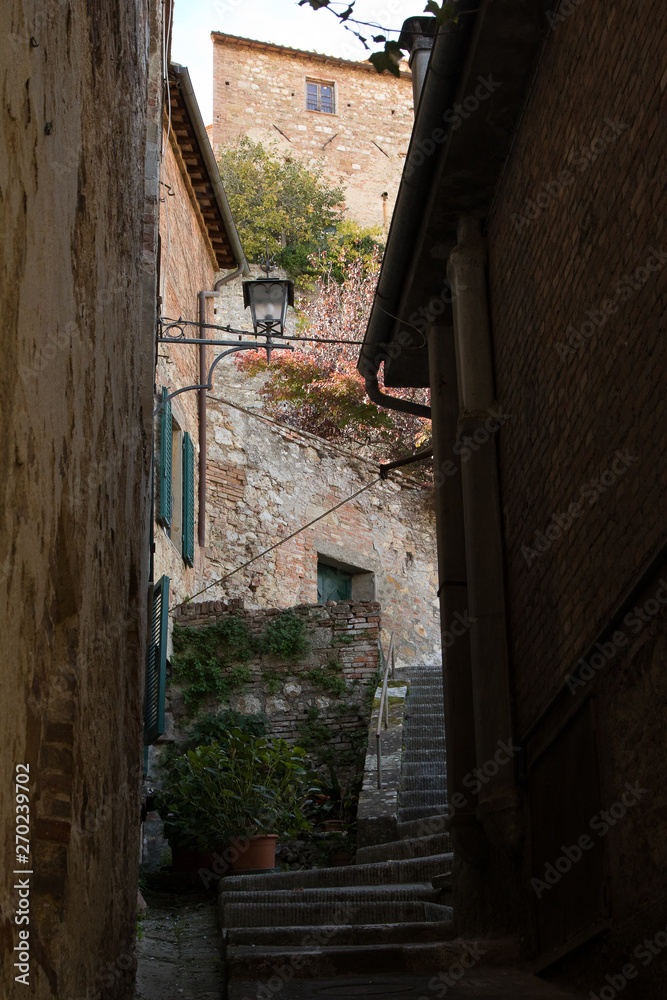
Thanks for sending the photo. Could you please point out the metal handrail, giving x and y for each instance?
(390, 661)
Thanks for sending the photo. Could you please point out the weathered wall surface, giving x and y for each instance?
(578, 272)
(344, 633)
(266, 480)
(594, 351)
(78, 259)
(188, 266)
(260, 91)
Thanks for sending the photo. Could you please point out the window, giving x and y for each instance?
(176, 511)
(332, 584)
(320, 97)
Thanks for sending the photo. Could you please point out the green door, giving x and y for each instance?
(332, 584)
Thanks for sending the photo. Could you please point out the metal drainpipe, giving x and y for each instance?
(498, 797)
(466, 832)
(203, 376)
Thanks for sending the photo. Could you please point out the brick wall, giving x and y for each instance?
(259, 91)
(188, 266)
(266, 480)
(578, 275)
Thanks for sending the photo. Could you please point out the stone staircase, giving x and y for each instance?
(382, 915)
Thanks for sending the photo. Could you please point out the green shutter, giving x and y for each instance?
(164, 516)
(188, 500)
(156, 662)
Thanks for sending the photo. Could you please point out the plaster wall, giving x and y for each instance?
(79, 120)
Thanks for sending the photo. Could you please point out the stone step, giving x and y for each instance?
(427, 768)
(434, 797)
(259, 965)
(419, 828)
(373, 910)
(425, 756)
(438, 844)
(342, 934)
(418, 869)
(422, 782)
(408, 813)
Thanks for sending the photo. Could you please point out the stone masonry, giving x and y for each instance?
(259, 91)
(346, 633)
(266, 480)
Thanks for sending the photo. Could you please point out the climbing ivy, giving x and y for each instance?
(329, 678)
(285, 636)
(201, 653)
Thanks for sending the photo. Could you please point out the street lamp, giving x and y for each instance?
(268, 299)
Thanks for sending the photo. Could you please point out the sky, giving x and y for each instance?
(280, 21)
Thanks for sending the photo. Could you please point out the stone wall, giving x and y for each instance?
(79, 196)
(345, 633)
(267, 480)
(259, 91)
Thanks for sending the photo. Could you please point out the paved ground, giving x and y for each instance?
(179, 952)
(483, 984)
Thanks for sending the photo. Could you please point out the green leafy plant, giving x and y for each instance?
(248, 786)
(217, 727)
(329, 677)
(285, 636)
(316, 736)
(201, 653)
(279, 204)
(272, 681)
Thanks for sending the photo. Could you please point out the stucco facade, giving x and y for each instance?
(261, 91)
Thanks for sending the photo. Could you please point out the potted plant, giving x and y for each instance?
(243, 794)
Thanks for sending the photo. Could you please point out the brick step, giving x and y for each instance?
(438, 844)
(341, 934)
(417, 869)
(407, 813)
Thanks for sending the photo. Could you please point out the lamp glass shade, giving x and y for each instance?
(268, 303)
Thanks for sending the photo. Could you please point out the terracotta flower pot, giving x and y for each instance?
(252, 853)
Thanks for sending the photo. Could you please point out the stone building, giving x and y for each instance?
(319, 109)
(80, 126)
(529, 249)
(266, 480)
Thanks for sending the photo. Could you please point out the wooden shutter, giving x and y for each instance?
(188, 500)
(164, 514)
(156, 663)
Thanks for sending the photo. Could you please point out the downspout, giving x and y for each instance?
(374, 392)
(468, 838)
(498, 808)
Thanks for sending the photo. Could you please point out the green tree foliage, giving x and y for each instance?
(280, 204)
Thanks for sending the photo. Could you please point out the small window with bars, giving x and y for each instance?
(320, 97)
